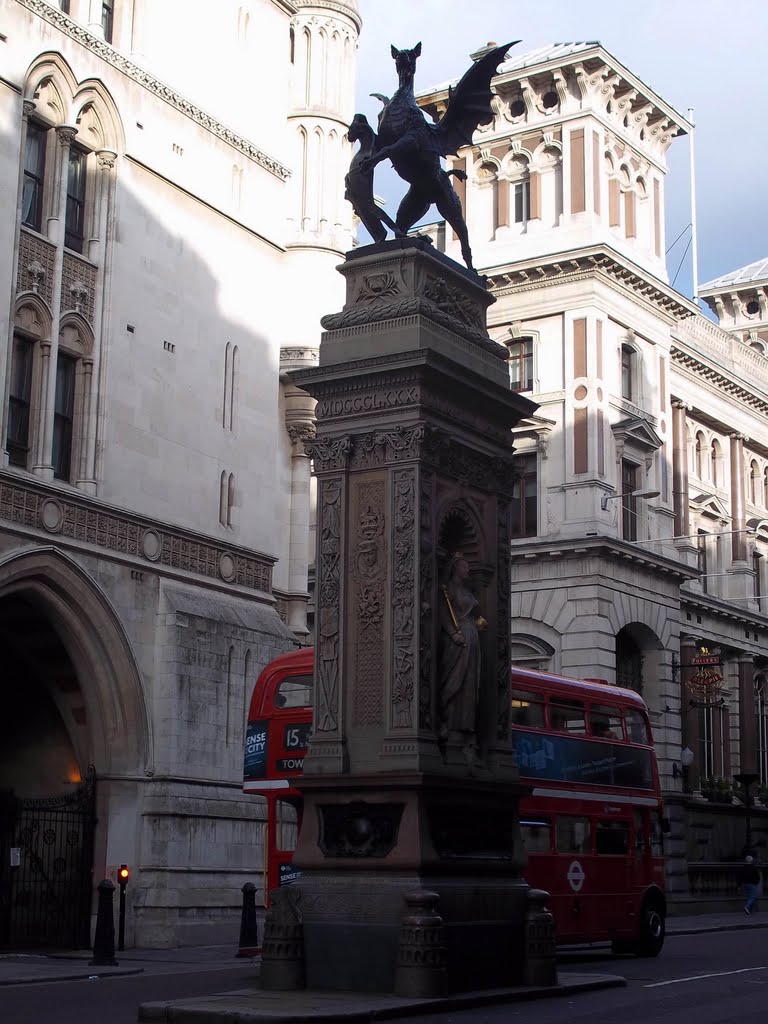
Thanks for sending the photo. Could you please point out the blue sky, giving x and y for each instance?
(705, 54)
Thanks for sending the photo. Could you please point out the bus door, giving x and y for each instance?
(575, 878)
(615, 864)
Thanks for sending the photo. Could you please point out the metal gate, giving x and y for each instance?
(46, 872)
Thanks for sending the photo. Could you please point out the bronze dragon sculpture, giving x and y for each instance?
(415, 147)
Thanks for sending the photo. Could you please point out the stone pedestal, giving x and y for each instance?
(414, 464)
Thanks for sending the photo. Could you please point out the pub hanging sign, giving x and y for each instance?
(705, 682)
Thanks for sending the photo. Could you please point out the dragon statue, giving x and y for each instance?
(415, 147)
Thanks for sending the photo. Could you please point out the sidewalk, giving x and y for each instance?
(29, 967)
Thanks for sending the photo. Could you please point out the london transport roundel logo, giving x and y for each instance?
(576, 876)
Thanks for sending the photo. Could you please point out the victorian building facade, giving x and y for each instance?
(178, 217)
(640, 518)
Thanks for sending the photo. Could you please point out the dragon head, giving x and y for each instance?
(405, 60)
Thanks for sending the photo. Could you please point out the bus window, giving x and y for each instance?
(637, 726)
(527, 710)
(294, 692)
(612, 837)
(287, 825)
(536, 835)
(573, 835)
(605, 722)
(567, 716)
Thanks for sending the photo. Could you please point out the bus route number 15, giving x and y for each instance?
(296, 737)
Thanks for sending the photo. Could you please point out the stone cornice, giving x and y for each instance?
(718, 379)
(722, 609)
(577, 264)
(330, 5)
(551, 550)
(117, 60)
(64, 516)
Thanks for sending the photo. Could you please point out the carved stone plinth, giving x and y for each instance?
(413, 459)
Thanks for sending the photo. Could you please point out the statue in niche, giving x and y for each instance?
(415, 147)
(460, 659)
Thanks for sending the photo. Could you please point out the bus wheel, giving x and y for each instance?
(652, 931)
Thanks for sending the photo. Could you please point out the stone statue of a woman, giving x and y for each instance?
(460, 659)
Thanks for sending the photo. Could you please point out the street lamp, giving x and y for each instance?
(747, 779)
(627, 494)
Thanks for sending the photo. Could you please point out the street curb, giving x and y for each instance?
(123, 973)
(692, 930)
(239, 1006)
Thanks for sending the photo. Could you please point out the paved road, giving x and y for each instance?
(707, 979)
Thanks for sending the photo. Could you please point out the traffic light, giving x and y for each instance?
(123, 875)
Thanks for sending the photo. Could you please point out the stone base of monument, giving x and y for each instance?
(368, 847)
(251, 1005)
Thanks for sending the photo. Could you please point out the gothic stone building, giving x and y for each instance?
(173, 247)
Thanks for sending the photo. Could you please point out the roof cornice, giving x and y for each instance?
(119, 62)
(596, 260)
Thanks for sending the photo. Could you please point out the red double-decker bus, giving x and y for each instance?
(592, 823)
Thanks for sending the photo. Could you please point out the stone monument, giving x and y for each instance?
(409, 847)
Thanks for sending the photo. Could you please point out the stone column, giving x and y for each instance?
(689, 716)
(27, 107)
(88, 398)
(680, 470)
(747, 720)
(56, 230)
(409, 771)
(94, 18)
(738, 518)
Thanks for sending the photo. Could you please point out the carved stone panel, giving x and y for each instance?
(328, 606)
(426, 556)
(35, 266)
(359, 829)
(404, 634)
(369, 574)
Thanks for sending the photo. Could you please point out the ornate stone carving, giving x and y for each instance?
(386, 446)
(359, 829)
(378, 287)
(36, 260)
(403, 583)
(36, 274)
(329, 453)
(426, 597)
(300, 434)
(359, 316)
(103, 49)
(78, 286)
(106, 159)
(453, 302)
(83, 521)
(328, 589)
(369, 571)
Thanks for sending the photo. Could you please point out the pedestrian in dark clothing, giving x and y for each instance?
(749, 878)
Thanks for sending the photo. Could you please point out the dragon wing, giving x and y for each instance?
(469, 105)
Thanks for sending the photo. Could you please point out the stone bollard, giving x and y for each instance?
(249, 929)
(282, 956)
(421, 955)
(540, 964)
(104, 938)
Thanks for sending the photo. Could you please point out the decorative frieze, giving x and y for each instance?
(84, 522)
(102, 49)
(426, 596)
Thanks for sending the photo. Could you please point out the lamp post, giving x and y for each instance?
(627, 494)
(747, 779)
